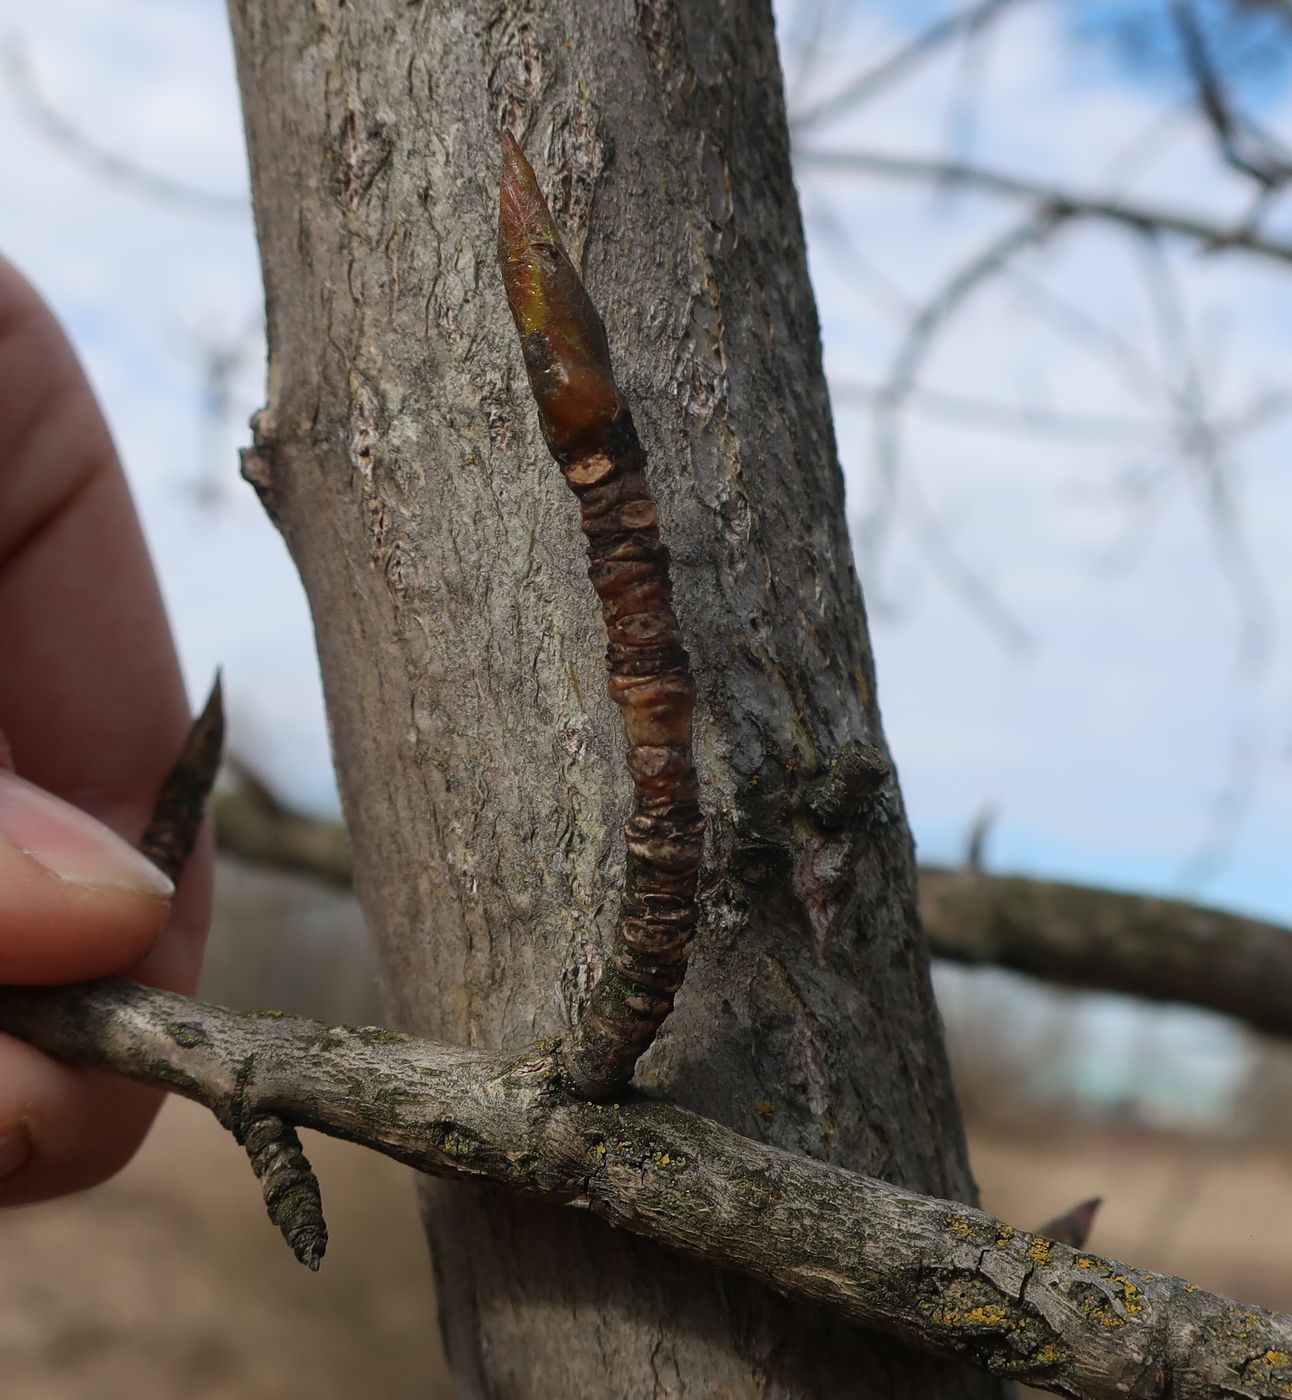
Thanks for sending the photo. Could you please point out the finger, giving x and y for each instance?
(76, 901)
(93, 707)
(66, 1129)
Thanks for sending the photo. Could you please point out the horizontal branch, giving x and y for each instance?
(1055, 200)
(1104, 940)
(1080, 936)
(976, 19)
(252, 823)
(942, 1277)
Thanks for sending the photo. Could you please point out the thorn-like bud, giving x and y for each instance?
(1073, 1226)
(561, 335)
(172, 829)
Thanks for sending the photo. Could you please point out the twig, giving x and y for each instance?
(108, 164)
(590, 433)
(290, 1189)
(1247, 767)
(1267, 169)
(1200, 444)
(941, 1276)
(899, 383)
(995, 416)
(252, 823)
(1057, 201)
(896, 66)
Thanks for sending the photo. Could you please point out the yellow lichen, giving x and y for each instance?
(1130, 1295)
(764, 1108)
(1039, 1250)
(988, 1315)
(1004, 1234)
(958, 1225)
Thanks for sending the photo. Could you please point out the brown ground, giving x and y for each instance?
(169, 1282)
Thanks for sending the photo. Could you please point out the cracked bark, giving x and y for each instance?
(939, 1275)
(476, 749)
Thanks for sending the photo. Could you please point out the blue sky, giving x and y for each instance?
(1131, 728)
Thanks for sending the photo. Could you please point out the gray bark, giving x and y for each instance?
(1160, 949)
(462, 653)
(943, 1276)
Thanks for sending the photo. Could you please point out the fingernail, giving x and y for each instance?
(72, 844)
(15, 1151)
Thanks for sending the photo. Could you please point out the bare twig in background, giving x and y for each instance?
(976, 841)
(801, 55)
(1053, 199)
(102, 160)
(898, 65)
(1019, 418)
(842, 241)
(893, 475)
(1247, 765)
(219, 359)
(967, 87)
(1201, 447)
(1264, 159)
(252, 823)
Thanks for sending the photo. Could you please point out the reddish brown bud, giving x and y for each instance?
(561, 335)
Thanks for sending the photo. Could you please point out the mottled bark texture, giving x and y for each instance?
(940, 1275)
(478, 755)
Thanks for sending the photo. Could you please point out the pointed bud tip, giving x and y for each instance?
(522, 210)
(1073, 1226)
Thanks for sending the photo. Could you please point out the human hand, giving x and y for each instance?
(93, 712)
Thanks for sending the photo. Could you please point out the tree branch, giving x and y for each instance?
(1160, 949)
(943, 1277)
(1077, 935)
(251, 822)
(100, 160)
(967, 22)
(1058, 202)
(1268, 169)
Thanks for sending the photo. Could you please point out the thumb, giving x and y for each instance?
(76, 901)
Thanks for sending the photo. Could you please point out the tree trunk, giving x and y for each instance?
(462, 649)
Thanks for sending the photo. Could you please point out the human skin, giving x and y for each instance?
(92, 713)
